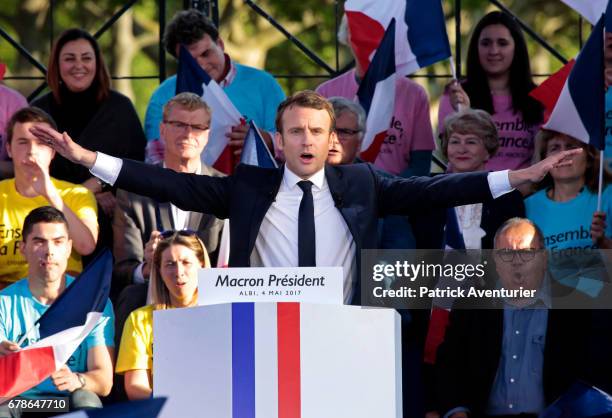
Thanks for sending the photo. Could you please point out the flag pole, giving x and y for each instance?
(600, 186)
(453, 69)
(22, 339)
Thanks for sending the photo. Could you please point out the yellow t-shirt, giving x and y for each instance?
(13, 210)
(136, 348)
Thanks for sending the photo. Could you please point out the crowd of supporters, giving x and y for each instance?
(55, 215)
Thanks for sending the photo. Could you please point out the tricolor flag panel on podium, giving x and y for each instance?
(192, 78)
(61, 329)
(278, 360)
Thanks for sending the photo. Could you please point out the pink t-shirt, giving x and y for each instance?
(410, 128)
(10, 102)
(516, 138)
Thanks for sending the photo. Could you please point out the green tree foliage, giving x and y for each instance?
(130, 47)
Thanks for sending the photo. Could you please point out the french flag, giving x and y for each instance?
(146, 408)
(580, 109)
(192, 78)
(420, 38)
(255, 151)
(376, 94)
(62, 328)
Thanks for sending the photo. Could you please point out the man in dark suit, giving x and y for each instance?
(514, 356)
(139, 220)
(305, 213)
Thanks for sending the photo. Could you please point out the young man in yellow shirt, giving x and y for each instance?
(32, 187)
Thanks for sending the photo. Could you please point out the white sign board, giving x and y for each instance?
(349, 360)
(271, 284)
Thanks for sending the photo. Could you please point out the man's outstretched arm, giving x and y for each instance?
(192, 192)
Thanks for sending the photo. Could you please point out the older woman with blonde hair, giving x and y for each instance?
(174, 284)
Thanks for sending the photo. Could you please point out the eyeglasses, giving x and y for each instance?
(347, 132)
(182, 232)
(507, 255)
(177, 124)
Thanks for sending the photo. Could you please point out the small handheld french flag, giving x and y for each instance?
(62, 328)
(376, 94)
(192, 78)
(580, 109)
(255, 151)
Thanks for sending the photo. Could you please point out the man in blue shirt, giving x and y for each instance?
(254, 92)
(516, 356)
(46, 247)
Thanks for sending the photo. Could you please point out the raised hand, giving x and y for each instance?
(537, 172)
(64, 145)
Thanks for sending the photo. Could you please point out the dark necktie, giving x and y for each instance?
(306, 227)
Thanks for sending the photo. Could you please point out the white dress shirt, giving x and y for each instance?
(277, 241)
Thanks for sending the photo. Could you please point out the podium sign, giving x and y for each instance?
(270, 284)
(278, 360)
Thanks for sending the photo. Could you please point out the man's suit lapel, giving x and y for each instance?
(337, 186)
(262, 202)
(165, 221)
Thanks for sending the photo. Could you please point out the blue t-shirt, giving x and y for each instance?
(19, 310)
(255, 93)
(567, 226)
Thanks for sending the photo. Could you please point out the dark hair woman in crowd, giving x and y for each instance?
(499, 81)
(83, 104)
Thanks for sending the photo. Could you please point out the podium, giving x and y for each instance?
(278, 360)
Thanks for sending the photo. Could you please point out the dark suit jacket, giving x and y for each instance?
(360, 194)
(469, 357)
(137, 216)
(429, 226)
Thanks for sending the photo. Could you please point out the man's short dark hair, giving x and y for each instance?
(308, 99)
(43, 214)
(25, 115)
(186, 28)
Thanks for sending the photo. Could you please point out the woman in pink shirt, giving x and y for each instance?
(499, 81)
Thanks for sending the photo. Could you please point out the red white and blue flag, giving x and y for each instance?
(62, 328)
(146, 408)
(192, 78)
(420, 37)
(579, 111)
(376, 94)
(255, 151)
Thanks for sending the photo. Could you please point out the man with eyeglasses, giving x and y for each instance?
(515, 356)
(139, 220)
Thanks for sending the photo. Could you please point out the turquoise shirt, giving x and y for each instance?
(566, 227)
(19, 310)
